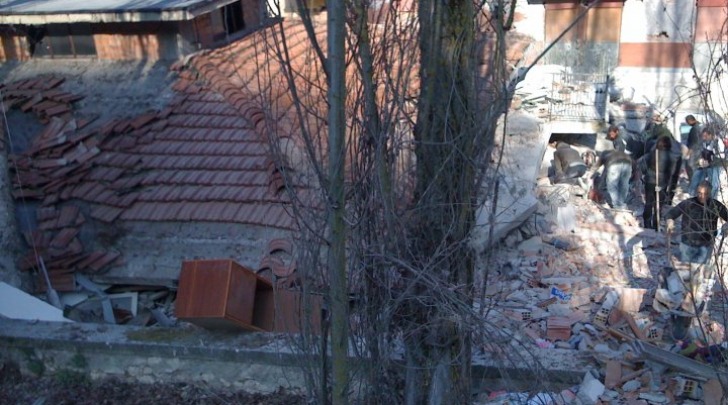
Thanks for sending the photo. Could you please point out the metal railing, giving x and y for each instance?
(578, 97)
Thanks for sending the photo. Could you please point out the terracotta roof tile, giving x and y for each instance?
(106, 213)
(104, 261)
(280, 245)
(186, 210)
(127, 199)
(127, 182)
(68, 215)
(90, 258)
(64, 237)
(229, 212)
(137, 211)
(284, 220)
(39, 239)
(46, 213)
(58, 109)
(143, 120)
(63, 282)
(50, 199)
(105, 173)
(48, 224)
(105, 196)
(188, 193)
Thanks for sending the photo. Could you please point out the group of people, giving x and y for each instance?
(656, 159)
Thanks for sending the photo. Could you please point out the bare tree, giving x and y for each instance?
(425, 89)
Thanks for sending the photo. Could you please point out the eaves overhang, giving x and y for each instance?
(37, 12)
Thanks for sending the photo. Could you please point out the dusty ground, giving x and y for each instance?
(74, 389)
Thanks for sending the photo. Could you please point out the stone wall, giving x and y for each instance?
(257, 363)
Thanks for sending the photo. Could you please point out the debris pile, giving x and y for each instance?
(601, 286)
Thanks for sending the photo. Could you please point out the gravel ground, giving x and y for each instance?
(75, 389)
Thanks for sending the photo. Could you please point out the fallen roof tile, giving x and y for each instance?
(108, 258)
(90, 258)
(143, 120)
(59, 109)
(46, 213)
(64, 237)
(35, 99)
(68, 215)
(28, 193)
(63, 282)
(49, 163)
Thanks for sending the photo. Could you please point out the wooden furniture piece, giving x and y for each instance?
(222, 294)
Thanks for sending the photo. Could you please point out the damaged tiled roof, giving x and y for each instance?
(197, 160)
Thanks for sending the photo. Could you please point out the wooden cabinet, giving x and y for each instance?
(222, 294)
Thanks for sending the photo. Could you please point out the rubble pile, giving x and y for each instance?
(589, 279)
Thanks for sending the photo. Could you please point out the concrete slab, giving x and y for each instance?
(17, 304)
(523, 150)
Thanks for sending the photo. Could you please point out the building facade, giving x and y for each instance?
(119, 30)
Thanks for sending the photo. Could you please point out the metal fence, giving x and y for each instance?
(578, 97)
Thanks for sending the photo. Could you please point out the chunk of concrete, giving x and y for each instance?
(631, 385)
(590, 390)
(654, 397)
(566, 218)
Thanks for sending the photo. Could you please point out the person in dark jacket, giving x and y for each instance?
(693, 143)
(699, 224)
(707, 163)
(654, 131)
(625, 141)
(657, 168)
(617, 174)
(568, 166)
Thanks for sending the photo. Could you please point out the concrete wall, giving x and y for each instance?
(591, 45)
(650, 46)
(255, 362)
(136, 41)
(654, 56)
(13, 47)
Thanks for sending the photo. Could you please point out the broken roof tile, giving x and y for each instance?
(143, 120)
(63, 282)
(46, 213)
(68, 215)
(105, 260)
(64, 237)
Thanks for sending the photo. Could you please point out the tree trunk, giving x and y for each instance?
(338, 288)
(445, 189)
